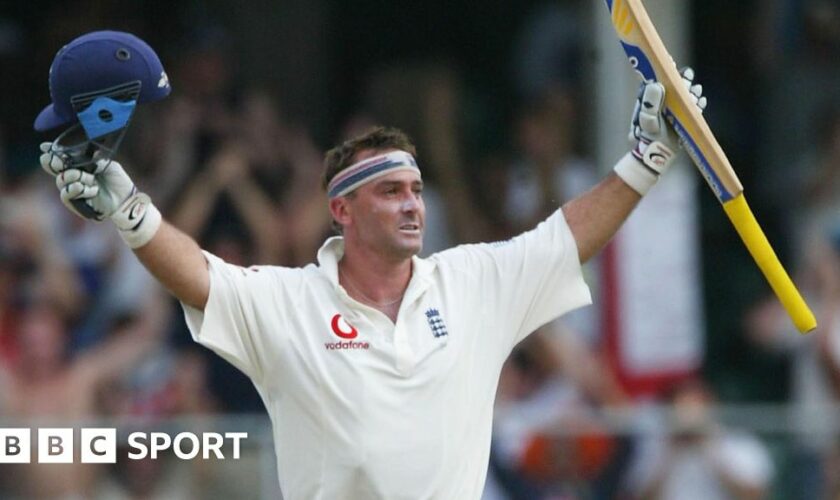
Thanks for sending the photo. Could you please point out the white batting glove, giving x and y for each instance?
(656, 142)
(105, 193)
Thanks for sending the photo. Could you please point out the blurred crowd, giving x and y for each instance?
(85, 333)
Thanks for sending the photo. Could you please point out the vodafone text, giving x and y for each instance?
(99, 445)
(331, 346)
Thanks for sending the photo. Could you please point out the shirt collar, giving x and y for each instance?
(328, 256)
(333, 250)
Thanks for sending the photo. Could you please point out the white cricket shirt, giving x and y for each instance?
(363, 408)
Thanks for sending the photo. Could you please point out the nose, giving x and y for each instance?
(411, 203)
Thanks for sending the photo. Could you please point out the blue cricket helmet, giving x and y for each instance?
(102, 63)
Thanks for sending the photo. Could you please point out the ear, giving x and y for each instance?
(340, 210)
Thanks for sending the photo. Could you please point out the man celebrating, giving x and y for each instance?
(378, 368)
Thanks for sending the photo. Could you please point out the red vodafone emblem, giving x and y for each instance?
(343, 329)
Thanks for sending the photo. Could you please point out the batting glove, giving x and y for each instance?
(105, 193)
(656, 142)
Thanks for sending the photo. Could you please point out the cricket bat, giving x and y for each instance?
(650, 58)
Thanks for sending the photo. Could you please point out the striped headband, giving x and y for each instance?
(362, 172)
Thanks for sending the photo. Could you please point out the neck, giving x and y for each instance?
(374, 278)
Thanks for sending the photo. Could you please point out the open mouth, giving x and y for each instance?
(410, 228)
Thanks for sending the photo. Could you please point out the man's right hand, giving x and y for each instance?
(105, 193)
(92, 195)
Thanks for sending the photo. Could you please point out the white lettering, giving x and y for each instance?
(160, 441)
(177, 446)
(215, 447)
(236, 436)
(99, 445)
(137, 440)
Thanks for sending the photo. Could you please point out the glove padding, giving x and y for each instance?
(656, 142)
(92, 195)
(105, 193)
(648, 125)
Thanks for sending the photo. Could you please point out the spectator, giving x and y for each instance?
(47, 383)
(286, 159)
(165, 386)
(700, 458)
(815, 370)
(815, 225)
(82, 269)
(549, 48)
(226, 194)
(41, 266)
(818, 185)
(549, 171)
(265, 177)
(548, 440)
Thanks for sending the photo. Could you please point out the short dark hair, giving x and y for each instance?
(377, 138)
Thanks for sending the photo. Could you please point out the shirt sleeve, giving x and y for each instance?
(529, 280)
(539, 276)
(227, 326)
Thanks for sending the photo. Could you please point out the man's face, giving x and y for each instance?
(387, 215)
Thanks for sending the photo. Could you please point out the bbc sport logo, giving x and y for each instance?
(99, 445)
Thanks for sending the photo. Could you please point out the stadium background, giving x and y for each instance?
(313, 71)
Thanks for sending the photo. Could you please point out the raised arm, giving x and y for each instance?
(107, 192)
(257, 210)
(176, 261)
(195, 203)
(595, 216)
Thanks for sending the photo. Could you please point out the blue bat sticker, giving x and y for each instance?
(639, 61)
(696, 154)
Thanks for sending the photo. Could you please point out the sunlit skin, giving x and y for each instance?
(383, 223)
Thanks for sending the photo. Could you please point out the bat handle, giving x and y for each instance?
(752, 235)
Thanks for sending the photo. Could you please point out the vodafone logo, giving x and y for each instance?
(343, 329)
(346, 331)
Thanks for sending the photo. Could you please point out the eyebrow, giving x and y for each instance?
(388, 184)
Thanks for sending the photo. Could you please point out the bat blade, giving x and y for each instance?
(651, 60)
(649, 57)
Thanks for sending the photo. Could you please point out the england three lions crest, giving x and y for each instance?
(436, 323)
